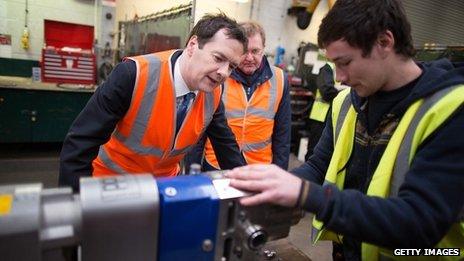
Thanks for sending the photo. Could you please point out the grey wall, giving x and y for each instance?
(432, 21)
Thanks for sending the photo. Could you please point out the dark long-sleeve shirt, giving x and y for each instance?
(325, 83)
(430, 198)
(110, 102)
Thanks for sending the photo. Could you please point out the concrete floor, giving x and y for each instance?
(300, 234)
(39, 163)
(30, 163)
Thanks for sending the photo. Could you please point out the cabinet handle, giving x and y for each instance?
(33, 116)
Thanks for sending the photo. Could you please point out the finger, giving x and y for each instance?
(255, 167)
(249, 185)
(256, 199)
(264, 170)
(259, 167)
(244, 173)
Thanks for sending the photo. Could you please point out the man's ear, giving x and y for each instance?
(192, 44)
(386, 43)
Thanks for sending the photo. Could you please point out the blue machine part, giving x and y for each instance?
(189, 208)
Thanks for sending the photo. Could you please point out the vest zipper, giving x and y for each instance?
(247, 102)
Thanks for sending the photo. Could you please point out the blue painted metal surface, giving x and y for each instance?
(187, 218)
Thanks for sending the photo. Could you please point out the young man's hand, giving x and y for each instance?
(270, 183)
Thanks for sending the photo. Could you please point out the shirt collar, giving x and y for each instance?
(179, 83)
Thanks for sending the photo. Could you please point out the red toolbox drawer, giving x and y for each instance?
(68, 66)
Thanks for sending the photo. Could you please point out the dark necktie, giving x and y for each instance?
(182, 108)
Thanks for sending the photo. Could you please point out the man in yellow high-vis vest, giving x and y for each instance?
(324, 92)
(388, 171)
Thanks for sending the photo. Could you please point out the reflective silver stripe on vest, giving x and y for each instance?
(342, 115)
(268, 113)
(402, 159)
(109, 163)
(235, 114)
(255, 146)
(177, 152)
(208, 109)
(133, 141)
(315, 231)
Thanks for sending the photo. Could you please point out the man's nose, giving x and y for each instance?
(248, 56)
(340, 76)
(224, 70)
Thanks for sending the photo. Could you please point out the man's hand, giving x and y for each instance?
(270, 183)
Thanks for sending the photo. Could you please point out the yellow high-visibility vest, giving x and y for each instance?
(320, 107)
(421, 120)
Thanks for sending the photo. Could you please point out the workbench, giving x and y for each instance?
(38, 112)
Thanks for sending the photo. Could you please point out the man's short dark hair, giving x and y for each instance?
(210, 24)
(360, 22)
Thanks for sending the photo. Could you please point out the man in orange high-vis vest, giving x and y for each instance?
(257, 106)
(153, 108)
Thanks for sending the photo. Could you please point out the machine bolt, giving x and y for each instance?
(195, 169)
(241, 216)
(269, 254)
(238, 251)
(170, 191)
(207, 245)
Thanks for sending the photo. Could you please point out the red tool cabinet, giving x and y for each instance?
(68, 56)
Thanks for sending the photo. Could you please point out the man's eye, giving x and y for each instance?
(345, 63)
(217, 58)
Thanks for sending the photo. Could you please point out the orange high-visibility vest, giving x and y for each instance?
(251, 121)
(144, 140)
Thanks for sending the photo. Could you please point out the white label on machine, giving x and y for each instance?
(225, 191)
